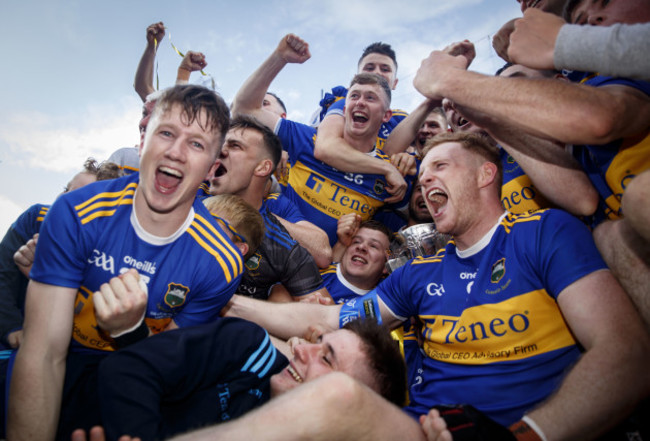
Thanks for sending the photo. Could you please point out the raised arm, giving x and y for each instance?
(191, 62)
(248, 101)
(405, 132)
(39, 370)
(143, 82)
(567, 112)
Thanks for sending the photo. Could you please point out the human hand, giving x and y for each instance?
(501, 39)
(533, 41)
(463, 48)
(315, 332)
(97, 434)
(155, 33)
(396, 185)
(439, 65)
(346, 227)
(293, 49)
(24, 257)
(434, 426)
(15, 338)
(193, 61)
(318, 298)
(120, 304)
(404, 163)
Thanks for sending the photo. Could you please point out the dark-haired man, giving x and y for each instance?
(190, 378)
(320, 191)
(249, 156)
(106, 266)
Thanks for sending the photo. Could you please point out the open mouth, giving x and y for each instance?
(220, 171)
(296, 376)
(438, 200)
(359, 259)
(167, 179)
(359, 117)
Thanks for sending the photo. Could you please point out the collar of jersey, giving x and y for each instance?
(157, 240)
(483, 241)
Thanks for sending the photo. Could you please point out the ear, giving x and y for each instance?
(243, 247)
(487, 174)
(395, 83)
(212, 170)
(387, 115)
(264, 168)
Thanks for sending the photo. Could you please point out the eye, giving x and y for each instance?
(165, 133)
(326, 360)
(197, 145)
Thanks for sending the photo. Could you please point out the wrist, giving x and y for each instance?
(183, 75)
(133, 335)
(527, 430)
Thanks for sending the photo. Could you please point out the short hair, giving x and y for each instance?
(271, 141)
(373, 224)
(372, 78)
(384, 358)
(379, 48)
(193, 99)
(104, 171)
(280, 102)
(475, 143)
(246, 220)
(569, 8)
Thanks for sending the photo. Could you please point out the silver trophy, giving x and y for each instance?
(411, 242)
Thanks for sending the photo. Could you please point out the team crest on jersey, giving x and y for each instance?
(510, 160)
(498, 270)
(254, 261)
(175, 295)
(378, 188)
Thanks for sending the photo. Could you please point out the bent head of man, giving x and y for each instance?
(363, 262)
(607, 13)
(362, 349)
(367, 106)
(379, 58)
(182, 141)
(251, 150)
(460, 173)
(434, 124)
(274, 104)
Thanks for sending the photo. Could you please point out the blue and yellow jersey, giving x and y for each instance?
(92, 235)
(281, 206)
(29, 223)
(518, 194)
(492, 325)
(322, 193)
(611, 166)
(339, 288)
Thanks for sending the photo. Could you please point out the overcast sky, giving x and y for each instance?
(68, 66)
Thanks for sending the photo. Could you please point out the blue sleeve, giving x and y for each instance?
(60, 259)
(396, 294)
(29, 222)
(295, 137)
(282, 207)
(336, 108)
(602, 80)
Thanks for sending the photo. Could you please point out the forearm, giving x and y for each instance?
(332, 149)
(284, 320)
(333, 407)
(552, 170)
(618, 50)
(251, 94)
(312, 238)
(143, 82)
(35, 395)
(567, 112)
(404, 133)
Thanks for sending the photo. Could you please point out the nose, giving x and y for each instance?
(176, 150)
(595, 19)
(304, 351)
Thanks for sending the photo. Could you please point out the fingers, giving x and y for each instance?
(396, 186)
(121, 303)
(405, 163)
(293, 49)
(501, 39)
(434, 426)
(295, 341)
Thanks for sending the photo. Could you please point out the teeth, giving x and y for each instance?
(294, 374)
(358, 259)
(437, 196)
(171, 171)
